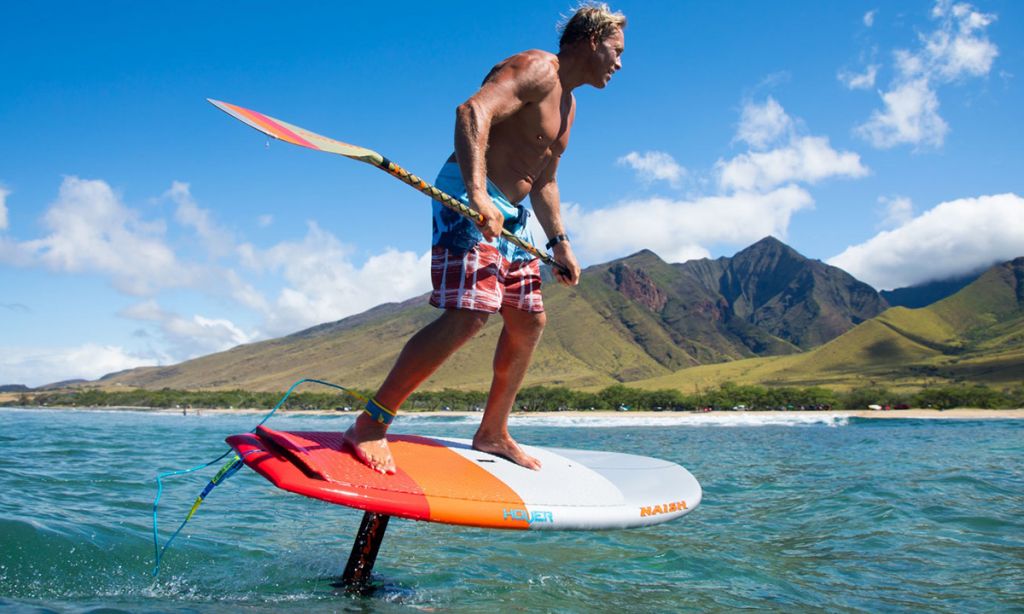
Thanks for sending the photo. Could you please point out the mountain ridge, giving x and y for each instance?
(975, 335)
(629, 319)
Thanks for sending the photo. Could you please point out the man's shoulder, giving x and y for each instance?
(537, 62)
(539, 55)
(533, 69)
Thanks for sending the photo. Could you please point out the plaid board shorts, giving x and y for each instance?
(481, 279)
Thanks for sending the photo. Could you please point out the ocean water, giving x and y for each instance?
(798, 514)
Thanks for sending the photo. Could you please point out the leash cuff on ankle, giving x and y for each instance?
(378, 412)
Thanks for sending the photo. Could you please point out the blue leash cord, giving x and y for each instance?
(223, 474)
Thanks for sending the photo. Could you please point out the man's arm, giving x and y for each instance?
(547, 206)
(518, 81)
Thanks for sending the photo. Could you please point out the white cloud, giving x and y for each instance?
(869, 17)
(897, 210)
(218, 241)
(911, 116)
(861, 81)
(265, 220)
(953, 238)
(323, 284)
(759, 195)
(89, 230)
(763, 124)
(189, 337)
(654, 165)
(3, 207)
(796, 158)
(958, 48)
(36, 366)
(806, 159)
(92, 231)
(680, 230)
(241, 291)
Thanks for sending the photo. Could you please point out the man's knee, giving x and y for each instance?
(464, 323)
(529, 325)
(538, 322)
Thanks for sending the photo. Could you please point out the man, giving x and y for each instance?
(509, 137)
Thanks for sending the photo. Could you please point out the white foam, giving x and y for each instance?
(574, 419)
(723, 419)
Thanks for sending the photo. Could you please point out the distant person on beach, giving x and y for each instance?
(509, 137)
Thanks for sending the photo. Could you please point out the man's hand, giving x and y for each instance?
(493, 220)
(564, 256)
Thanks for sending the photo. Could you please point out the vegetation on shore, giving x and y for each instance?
(553, 398)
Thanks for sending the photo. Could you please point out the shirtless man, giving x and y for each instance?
(509, 137)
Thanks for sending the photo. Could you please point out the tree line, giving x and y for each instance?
(554, 398)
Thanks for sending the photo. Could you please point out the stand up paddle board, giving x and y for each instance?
(445, 480)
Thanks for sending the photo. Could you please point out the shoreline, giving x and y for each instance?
(907, 414)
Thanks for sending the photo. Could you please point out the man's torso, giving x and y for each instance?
(523, 145)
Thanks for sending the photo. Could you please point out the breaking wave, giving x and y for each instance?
(682, 419)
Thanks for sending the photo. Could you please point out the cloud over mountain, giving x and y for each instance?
(953, 238)
(250, 291)
(322, 283)
(35, 366)
(758, 192)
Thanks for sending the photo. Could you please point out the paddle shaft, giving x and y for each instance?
(459, 207)
(304, 138)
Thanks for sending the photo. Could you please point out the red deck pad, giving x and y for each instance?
(432, 482)
(402, 496)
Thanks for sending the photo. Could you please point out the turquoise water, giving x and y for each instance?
(829, 513)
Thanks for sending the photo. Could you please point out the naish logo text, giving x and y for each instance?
(663, 508)
(529, 517)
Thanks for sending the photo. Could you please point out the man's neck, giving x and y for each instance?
(570, 70)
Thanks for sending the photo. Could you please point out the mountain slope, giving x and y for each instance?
(800, 301)
(976, 334)
(630, 319)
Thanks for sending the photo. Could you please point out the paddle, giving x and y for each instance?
(304, 138)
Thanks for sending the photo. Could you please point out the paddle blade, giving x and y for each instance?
(295, 135)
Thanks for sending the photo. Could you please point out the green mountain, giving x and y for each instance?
(630, 319)
(974, 335)
(770, 287)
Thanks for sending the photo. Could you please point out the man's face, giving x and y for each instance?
(608, 57)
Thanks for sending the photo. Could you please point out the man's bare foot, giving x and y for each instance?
(368, 441)
(505, 447)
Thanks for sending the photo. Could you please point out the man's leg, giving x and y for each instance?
(422, 355)
(519, 338)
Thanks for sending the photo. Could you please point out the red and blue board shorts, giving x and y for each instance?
(472, 273)
(481, 279)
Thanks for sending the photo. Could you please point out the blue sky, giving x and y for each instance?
(139, 225)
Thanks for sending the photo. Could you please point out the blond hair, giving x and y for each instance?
(591, 21)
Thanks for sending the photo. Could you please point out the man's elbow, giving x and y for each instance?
(545, 185)
(546, 193)
(467, 114)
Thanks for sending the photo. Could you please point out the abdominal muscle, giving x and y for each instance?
(513, 174)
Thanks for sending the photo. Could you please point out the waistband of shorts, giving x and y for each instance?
(451, 170)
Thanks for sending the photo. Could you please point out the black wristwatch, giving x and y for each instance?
(555, 240)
